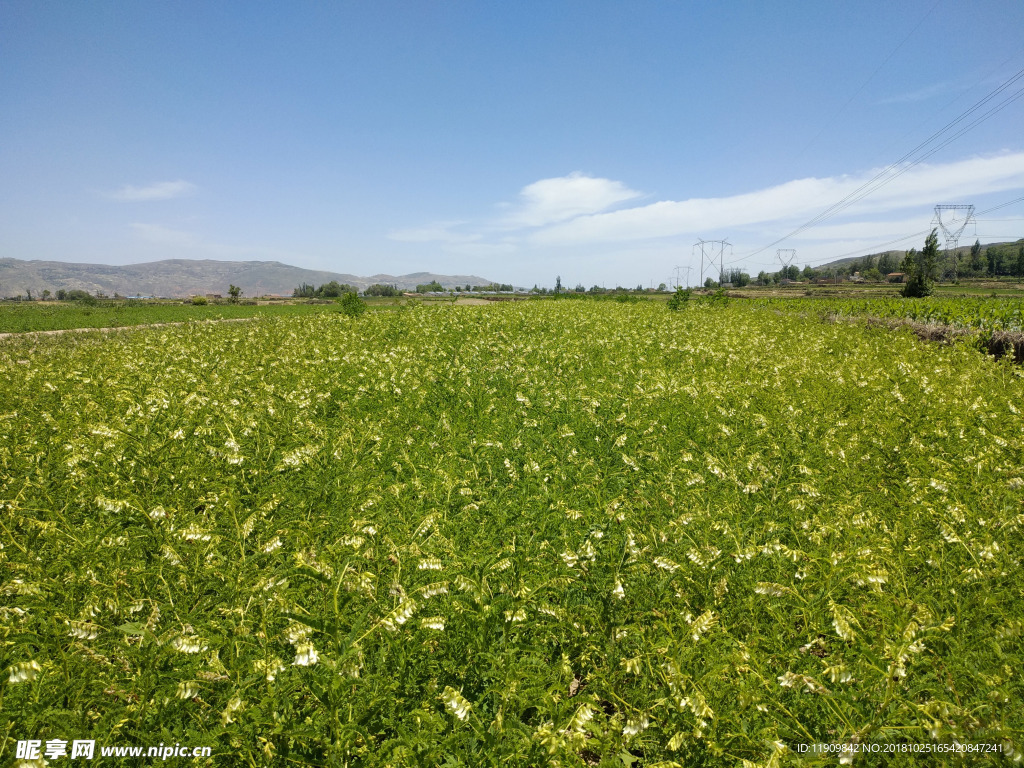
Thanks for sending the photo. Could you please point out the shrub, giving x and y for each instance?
(352, 305)
(198, 301)
(679, 298)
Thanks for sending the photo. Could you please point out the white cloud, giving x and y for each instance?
(921, 94)
(552, 200)
(789, 203)
(164, 190)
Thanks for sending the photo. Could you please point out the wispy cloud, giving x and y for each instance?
(164, 190)
(790, 202)
(922, 94)
(591, 219)
(565, 197)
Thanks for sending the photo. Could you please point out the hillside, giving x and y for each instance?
(185, 277)
(962, 251)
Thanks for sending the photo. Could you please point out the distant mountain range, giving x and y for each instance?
(173, 278)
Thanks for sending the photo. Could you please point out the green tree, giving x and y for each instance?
(234, 292)
(920, 268)
(558, 285)
(1020, 262)
(993, 261)
(679, 298)
(887, 263)
(377, 289)
(352, 305)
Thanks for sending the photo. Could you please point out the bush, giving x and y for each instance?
(679, 298)
(352, 305)
(198, 301)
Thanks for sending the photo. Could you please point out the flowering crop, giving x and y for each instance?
(531, 534)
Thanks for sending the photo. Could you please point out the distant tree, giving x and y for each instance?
(809, 272)
(331, 290)
(872, 274)
(304, 291)
(887, 263)
(234, 292)
(382, 290)
(46, 294)
(558, 285)
(737, 277)
(993, 261)
(920, 268)
(1019, 271)
(976, 266)
(709, 283)
(432, 287)
(662, 287)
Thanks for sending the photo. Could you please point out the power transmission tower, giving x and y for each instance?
(710, 250)
(956, 221)
(786, 257)
(687, 268)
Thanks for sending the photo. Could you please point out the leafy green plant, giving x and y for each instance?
(680, 298)
(352, 305)
(547, 532)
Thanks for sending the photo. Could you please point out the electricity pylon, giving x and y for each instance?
(710, 250)
(956, 221)
(786, 256)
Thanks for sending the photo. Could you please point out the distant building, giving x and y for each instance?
(896, 277)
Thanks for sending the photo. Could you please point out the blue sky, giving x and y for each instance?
(518, 141)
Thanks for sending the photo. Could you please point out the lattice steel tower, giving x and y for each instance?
(957, 217)
(712, 250)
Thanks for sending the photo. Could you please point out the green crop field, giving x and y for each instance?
(541, 533)
(33, 316)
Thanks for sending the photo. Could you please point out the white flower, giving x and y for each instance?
(619, 592)
(305, 655)
(434, 622)
(83, 630)
(432, 590)
(187, 690)
(188, 644)
(270, 668)
(430, 564)
(456, 703)
(296, 632)
(273, 544)
(23, 672)
(634, 726)
(666, 564)
(400, 615)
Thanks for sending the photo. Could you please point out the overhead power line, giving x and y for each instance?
(924, 233)
(908, 160)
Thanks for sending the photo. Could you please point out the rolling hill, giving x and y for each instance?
(174, 278)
